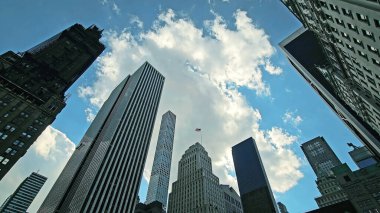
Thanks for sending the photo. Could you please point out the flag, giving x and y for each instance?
(198, 129)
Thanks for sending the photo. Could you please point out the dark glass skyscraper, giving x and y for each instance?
(104, 173)
(21, 199)
(255, 191)
(33, 86)
(342, 40)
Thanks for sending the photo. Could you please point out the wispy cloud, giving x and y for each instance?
(116, 8)
(292, 118)
(136, 20)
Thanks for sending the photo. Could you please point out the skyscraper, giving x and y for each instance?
(24, 195)
(232, 202)
(104, 173)
(33, 86)
(344, 37)
(322, 159)
(362, 156)
(197, 188)
(255, 192)
(159, 177)
(282, 207)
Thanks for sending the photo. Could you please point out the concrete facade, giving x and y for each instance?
(232, 201)
(348, 32)
(197, 188)
(33, 86)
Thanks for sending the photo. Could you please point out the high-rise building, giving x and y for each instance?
(232, 202)
(282, 207)
(320, 156)
(159, 178)
(33, 86)
(255, 191)
(322, 159)
(197, 188)
(104, 172)
(362, 186)
(24, 195)
(362, 156)
(153, 207)
(344, 36)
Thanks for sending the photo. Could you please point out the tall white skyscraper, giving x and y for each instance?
(159, 177)
(104, 173)
(197, 188)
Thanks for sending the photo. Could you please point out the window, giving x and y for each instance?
(4, 137)
(357, 41)
(377, 23)
(347, 12)
(362, 54)
(8, 150)
(13, 152)
(340, 22)
(16, 142)
(345, 35)
(362, 17)
(367, 33)
(334, 8)
(350, 47)
(376, 62)
(352, 27)
(372, 49)
(5, 161)
(21, 144)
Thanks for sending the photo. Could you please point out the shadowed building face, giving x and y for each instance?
(255, 192)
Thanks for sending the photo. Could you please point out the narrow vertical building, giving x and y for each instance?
(345, 34)
(282, 207)
(24, 195)
(232, 202)
(160, 174)
(322, 159)
(197, 188)
(33, 86)
(104, 173)
(255, 191)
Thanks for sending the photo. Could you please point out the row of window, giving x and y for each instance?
(348, 13)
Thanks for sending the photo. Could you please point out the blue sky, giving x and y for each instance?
(291, 112)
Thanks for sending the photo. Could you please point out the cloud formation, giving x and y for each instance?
(48, 155)
(204, 68)
(292, 118)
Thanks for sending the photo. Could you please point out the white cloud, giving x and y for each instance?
(136, 20)
(203, 73)
(116, 8)
(90, 116)
(48, 155)
(292, 118)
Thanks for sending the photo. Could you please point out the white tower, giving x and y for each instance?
(159, 177)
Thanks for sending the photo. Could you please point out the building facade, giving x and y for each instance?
(348, 34)
(197, 188)
(322, 159)
(153, 207)
(160, 174)
(363, 185)
(24, 195)
(33, 86)
(362, 156)
(104, 172)
(255, 191)
(232, 202)
(282, 207)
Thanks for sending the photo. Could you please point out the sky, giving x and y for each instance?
(224, 74)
